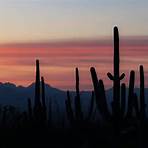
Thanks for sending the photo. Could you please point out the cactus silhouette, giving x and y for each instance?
(37, 104)
(76, 117)
(116, 78)
(40, 113)
(133, 98)
(79, 114)
(131, 94)
(142, 108)
(142, 94)
(37, 85)
(99, 87)
(100, 94)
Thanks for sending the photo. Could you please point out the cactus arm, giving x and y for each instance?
(122, 76)
(111, 77)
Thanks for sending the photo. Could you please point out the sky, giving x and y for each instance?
(65, 34)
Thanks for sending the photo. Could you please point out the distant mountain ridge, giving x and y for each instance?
(10, 94)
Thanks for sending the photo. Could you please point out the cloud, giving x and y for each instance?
(59, 59)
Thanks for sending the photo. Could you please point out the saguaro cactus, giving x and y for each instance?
(100, 94)
(76, 116)
(38, 110)
(116, 78)
(142, 93)
(78, 107)
(131, 94)
(142, 108)
(37, 85)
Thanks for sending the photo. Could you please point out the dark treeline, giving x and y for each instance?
(124, 125)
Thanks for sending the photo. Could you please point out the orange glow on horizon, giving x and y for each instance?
(17, 64)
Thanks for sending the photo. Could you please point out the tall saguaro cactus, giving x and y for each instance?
(37, 85)
(116, 78)
(37, 104)
(78, 107)
(142, 107)
(142, 95)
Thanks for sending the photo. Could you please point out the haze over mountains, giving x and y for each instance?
(10, 94)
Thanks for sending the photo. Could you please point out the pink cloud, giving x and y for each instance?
(58, 61)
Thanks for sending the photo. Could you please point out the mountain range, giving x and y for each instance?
(10, 94)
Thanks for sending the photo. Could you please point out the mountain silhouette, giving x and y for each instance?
(10, 94)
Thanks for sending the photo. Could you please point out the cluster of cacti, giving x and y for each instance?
(119, 96)
(117, 104)
(39, 111)
(76, 116)
(133, 102)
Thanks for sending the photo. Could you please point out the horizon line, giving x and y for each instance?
(17, 85)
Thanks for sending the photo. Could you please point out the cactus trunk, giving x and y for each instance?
(37, 85)
(79, 114)
(131, 94)
(100, 95)
(142, 93)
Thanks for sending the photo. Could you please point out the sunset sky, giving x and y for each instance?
(65, 34)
